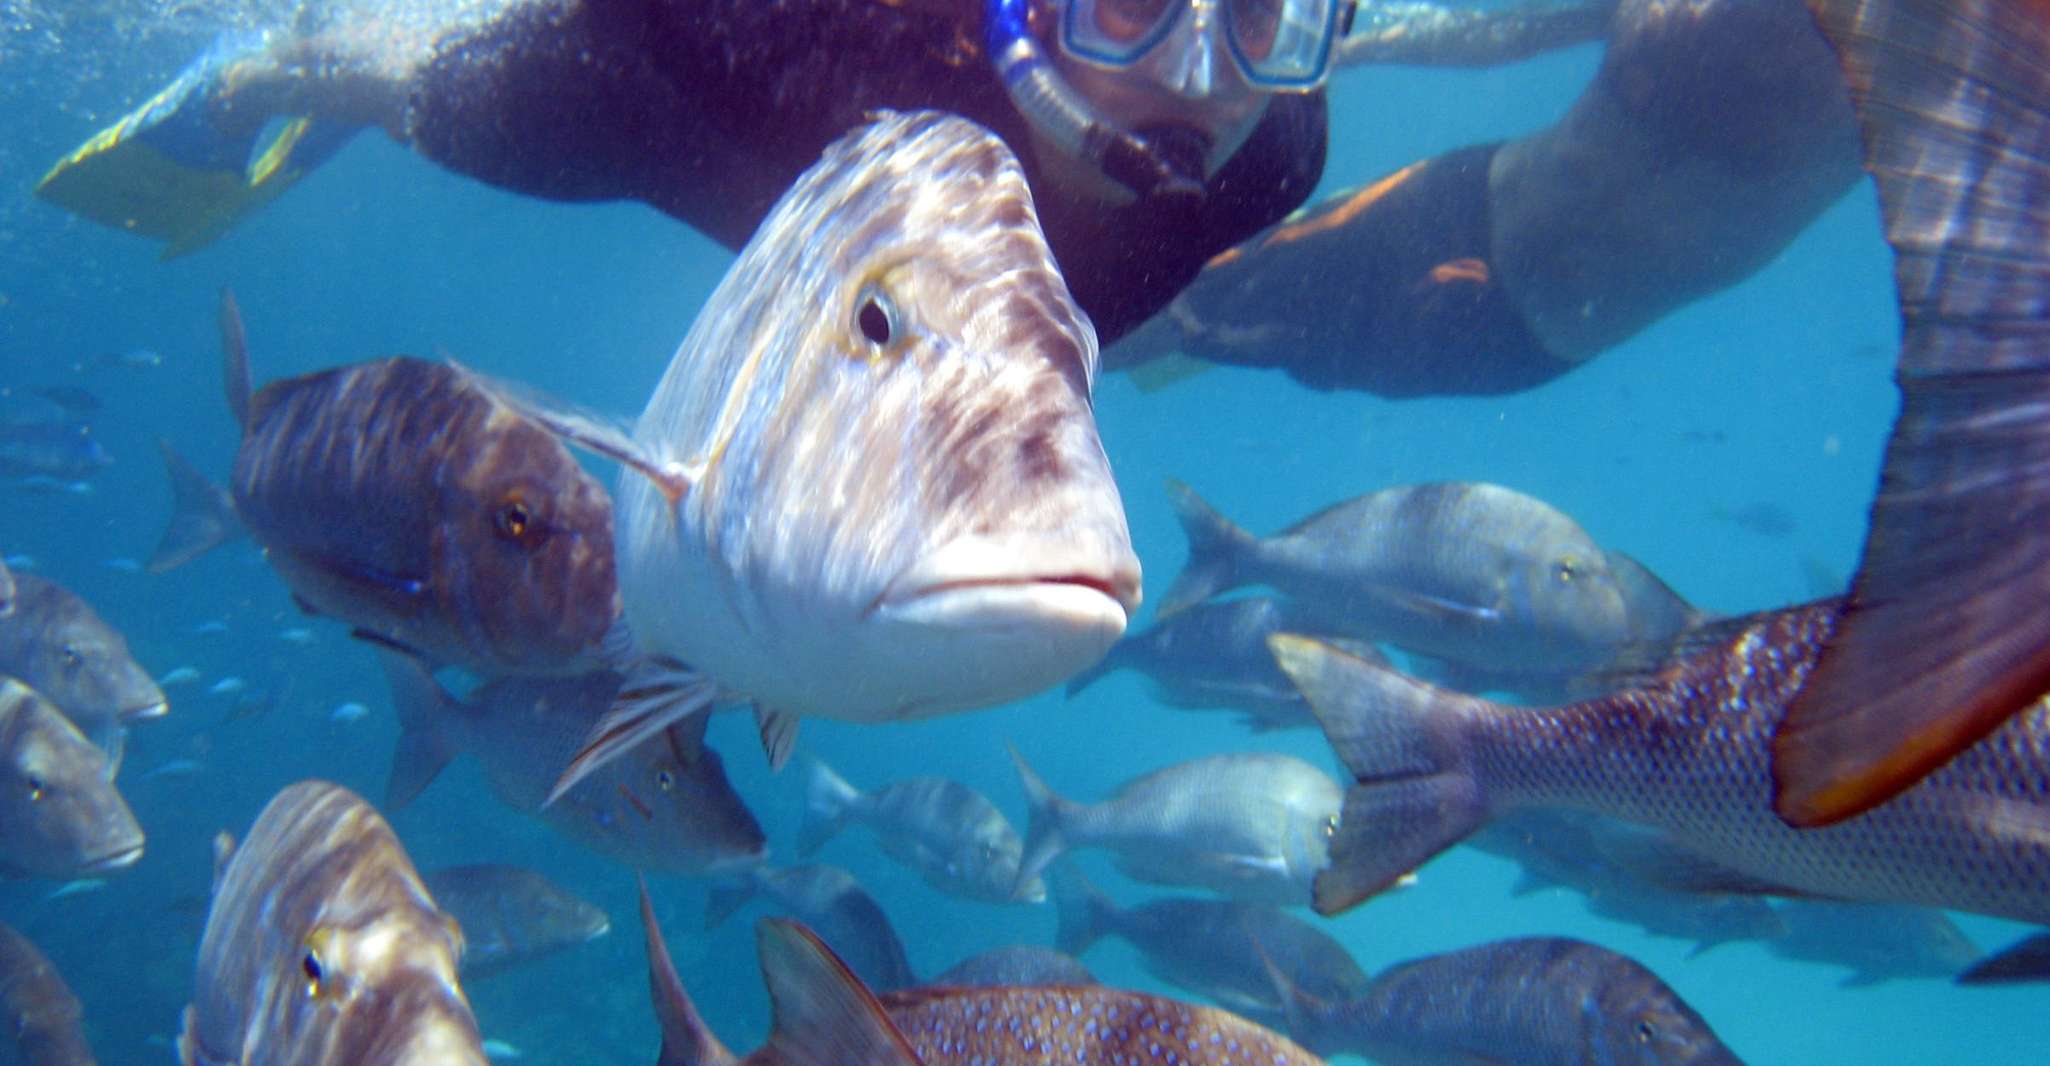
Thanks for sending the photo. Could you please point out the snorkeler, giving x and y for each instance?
(1155, 133)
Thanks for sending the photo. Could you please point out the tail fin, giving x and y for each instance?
(1414, 792)
(725, 897)
(686, 1039)
(235, 360)
(1310, 1019)
(827, 797)
(1215, 547)
(657, 694)
(2024, 960)
(824, 1015)
(1083, 912)
(1044, 841)
(202, 515)
(424, 745)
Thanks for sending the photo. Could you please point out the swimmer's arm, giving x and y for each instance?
(1441, 34)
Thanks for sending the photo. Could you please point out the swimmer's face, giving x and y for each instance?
(1188, 80)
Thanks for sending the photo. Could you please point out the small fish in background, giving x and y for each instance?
(180, 767)
(834, 906)
(39, 1014)
(666, 806)
(896, 329)
(122, 564)
(1016, 966)
(60, 816)
(76, 400)
(45, 485)
(499, 1049)
(76, 888)
(402, 498)
(944, 831)
(1766, 518)
(299, 635)
(211, 628)
(57, 644)
(1252, 827)
(1877, 941)
(1536, 1001)
(348, 713)
(1217, 949)
(63, 451)
(824, 1014)
(178, 675)
(511, 916)
(132, 359)
(227, 686)
(323, 947)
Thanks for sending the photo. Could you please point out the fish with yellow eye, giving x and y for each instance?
(322, 947)
(1474, 575)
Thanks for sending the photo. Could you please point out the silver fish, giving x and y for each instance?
(60, 817)
(37, 1009)
(948, 833)
(322, 948)
(1686, 752)
(881, 490)
(56, 643)
(1252, 827)
(1014, 966)
(511, 915)
(830, 902)
(666, 806)
(1875, 941)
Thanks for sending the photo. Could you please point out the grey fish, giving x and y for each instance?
(667, 806)
(825, 1017)
(1214, 654)
(399, 496)
(946, 832)
(882, 491)
(1538, 1001)
(1251, 827)
(1015, 966)
(37, 1008)
(1687, 752)
(1615, 866)
(323, 947)
(831, 903)
(55, 642)
(1468, 572)
(511, 915)
(60, 816)
(1876, 941)
(1217, 949)
(62, 450)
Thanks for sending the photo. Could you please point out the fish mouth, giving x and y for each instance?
(116, 860)
(942, 597)
(988, 578)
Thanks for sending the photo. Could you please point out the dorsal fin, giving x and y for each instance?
(824, 1015)
(235, 359)
(686, 1039)
(224, 853)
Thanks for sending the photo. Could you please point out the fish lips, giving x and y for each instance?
(110, 862)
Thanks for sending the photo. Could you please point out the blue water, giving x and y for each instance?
(1776, 392)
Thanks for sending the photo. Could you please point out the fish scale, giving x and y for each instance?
(1089, 1026)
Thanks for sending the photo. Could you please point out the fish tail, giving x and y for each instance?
(827, 799)
(1044, 840)
(1414, 792)
(686, 1039)
(425, 745)
(1083, 913)
(726, 897)
(1215, 548)
(202, 515)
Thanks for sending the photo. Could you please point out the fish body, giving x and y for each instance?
(1218, 949)
(665, 805)
(1537, 1001)
(323, 947)
(40, 1013)
(65, 451)
(57, 644)
(897, 501)
(833, 905)
(1875, 941)
(60, 816)
(1687, 753)
(511, 915)
(1468, 572)
(7, 590)
(950, 834)
(1015, 966)
(1253, 827)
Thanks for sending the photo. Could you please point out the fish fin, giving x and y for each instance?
(2027, 959)
(1947, 632)
(723, 898)
(1083, 914)
(827, 797)
(1438, 608)
(1044, 841)
(1164, 372)
(224, 853)
(1109, 664)
(686, 1039)
(588, 430)
(1414, 790)
(1215, 547)
(113, 741)
(658, 693)
(1528, 883)
(385, 645)
(424, 745)
(779, 735)
(202, 515)
(1303, 1012)
(235, 379)
(823, 1014)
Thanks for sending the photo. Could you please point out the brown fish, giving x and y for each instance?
(1946, 634)
(403, 498)
(38, 1008)
(60, 816)
(322, 948)
(55, 642)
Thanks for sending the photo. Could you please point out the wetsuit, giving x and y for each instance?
(709, 109)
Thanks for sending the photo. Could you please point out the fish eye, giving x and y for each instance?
(875, 316)
(1331, 827)
(73, 658)
(36, 788)
(1569, 568)
(665, 780)
(1646, 1032)
(516, 522)
(309, 964)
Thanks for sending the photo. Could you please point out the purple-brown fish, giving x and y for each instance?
(402, 498)
(39, 1011)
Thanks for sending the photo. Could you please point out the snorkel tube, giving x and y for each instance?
(1154, 168)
